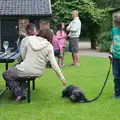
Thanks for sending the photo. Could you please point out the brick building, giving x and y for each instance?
(16, 14)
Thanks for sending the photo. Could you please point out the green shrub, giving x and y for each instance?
(105, 41)
(105, 46)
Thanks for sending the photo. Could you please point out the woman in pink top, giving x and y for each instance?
(61, 35)
(57, 48)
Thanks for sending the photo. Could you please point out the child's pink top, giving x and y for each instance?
(61, 35)
(55, 43)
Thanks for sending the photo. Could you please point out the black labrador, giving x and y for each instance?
(75, 94)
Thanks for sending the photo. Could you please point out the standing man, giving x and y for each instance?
(74, 29)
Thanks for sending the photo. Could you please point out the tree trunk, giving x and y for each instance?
(113, 3)
(93, 44)
(92, 39)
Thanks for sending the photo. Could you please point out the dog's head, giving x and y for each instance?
(76, 96)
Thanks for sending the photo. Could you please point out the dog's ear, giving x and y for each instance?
(72, 98)
(64, 92)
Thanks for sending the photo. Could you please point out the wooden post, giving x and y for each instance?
(92, 38)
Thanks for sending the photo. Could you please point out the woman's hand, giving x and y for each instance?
(64, 82)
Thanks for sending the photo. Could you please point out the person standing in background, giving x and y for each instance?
(57, 48)
(74, 29)
(61, 35)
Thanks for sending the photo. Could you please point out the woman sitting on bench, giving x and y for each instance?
(36, 51)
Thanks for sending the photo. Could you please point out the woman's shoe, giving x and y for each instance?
(19, 99)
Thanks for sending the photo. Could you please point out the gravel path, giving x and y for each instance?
(86, 51)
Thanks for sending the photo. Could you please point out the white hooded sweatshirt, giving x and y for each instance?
(36, 52)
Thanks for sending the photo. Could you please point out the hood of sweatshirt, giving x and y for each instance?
(37, 43)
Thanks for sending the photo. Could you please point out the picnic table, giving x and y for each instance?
(6, 59)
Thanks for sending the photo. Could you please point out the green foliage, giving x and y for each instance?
(104, 34)
(105, 41)
(89, 14)
(107, 3)
(106, 23)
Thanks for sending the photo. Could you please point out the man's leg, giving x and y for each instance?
(74, 58)
(71, 50)
(75, 49)
(116, 73)
(77, 52)
(77, 59)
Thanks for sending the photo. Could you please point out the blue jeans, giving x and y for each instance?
(116, 74)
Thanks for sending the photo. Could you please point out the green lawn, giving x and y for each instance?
(46, 99)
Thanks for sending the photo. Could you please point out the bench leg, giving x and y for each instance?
(6, 68)
(33, 87)
(28, 91)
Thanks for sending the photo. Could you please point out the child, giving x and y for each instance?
(61, 35)
(57, 48)
(115, 50)
(21, 36)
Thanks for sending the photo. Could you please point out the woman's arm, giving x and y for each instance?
(55, 66)
(61, 35)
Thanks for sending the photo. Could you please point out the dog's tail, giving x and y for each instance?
(87, 101)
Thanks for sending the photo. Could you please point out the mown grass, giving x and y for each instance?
(47, 103)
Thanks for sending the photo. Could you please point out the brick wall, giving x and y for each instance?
(22, 24)
(44, 24)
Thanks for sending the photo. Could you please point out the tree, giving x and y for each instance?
(107, 3)
(90, 15)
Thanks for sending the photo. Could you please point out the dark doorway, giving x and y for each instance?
(9, 32)
(36, 22)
